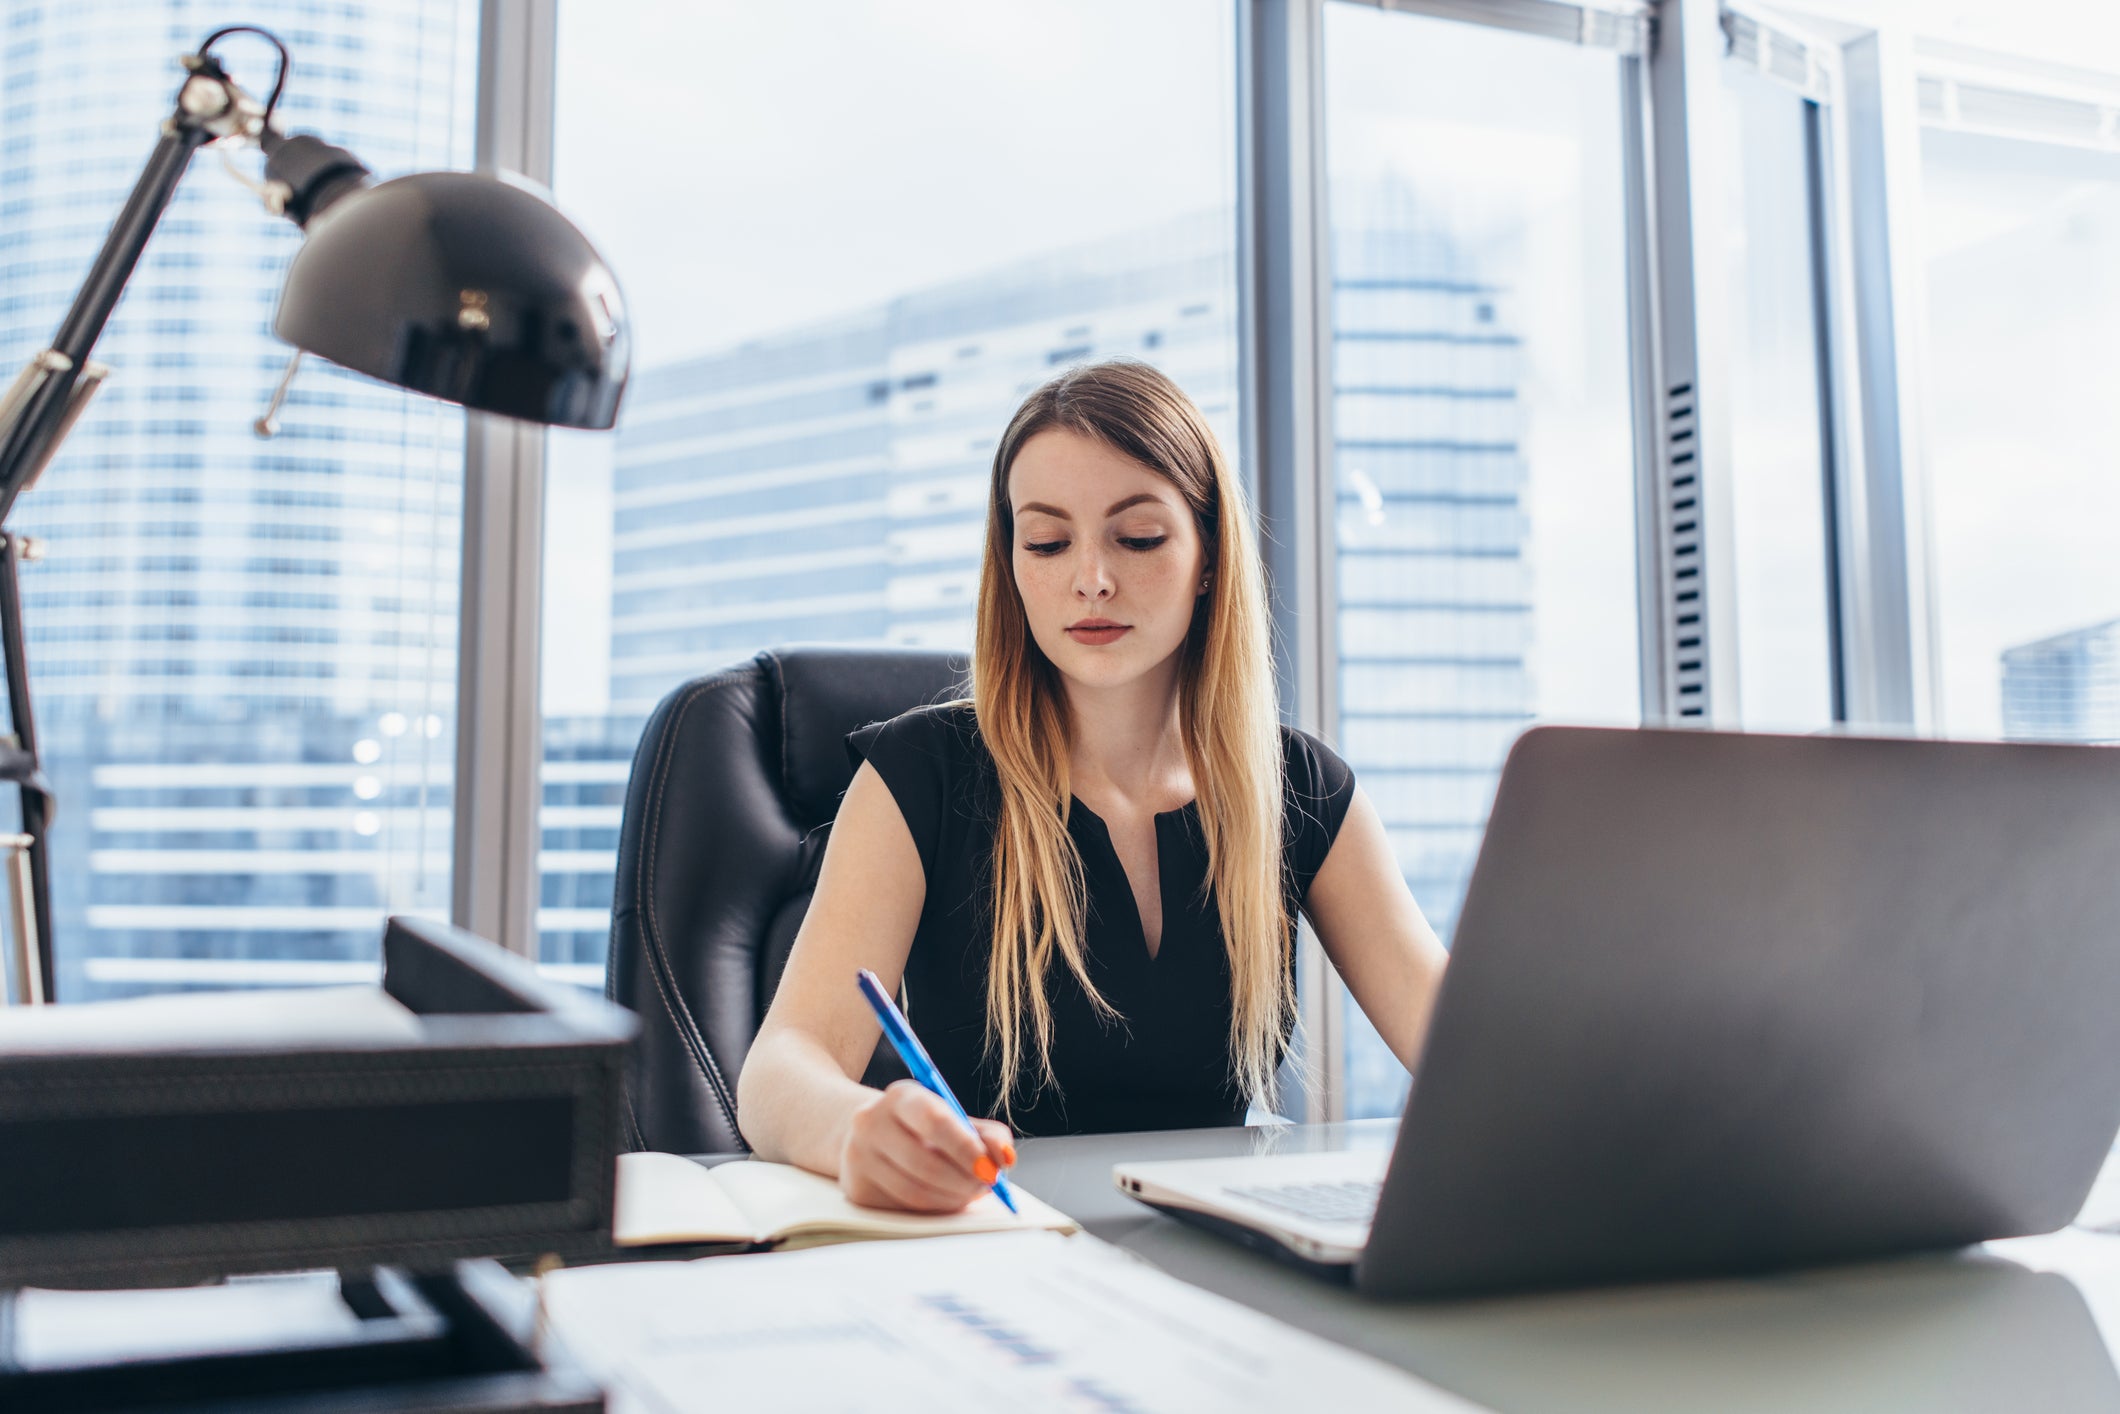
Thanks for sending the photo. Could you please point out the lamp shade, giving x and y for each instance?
(467, 287)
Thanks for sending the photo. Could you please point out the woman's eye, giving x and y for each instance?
(1045, 547)
(1143, 542)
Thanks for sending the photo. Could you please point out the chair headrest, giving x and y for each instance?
(827, 692)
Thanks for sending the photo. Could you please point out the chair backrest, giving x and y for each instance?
(736, 779)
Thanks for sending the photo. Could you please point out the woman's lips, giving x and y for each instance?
(1098, 635)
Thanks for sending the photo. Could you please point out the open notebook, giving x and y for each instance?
(665, 1198)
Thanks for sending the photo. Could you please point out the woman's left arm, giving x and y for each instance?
(1374, 933)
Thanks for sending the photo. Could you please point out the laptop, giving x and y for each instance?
(1723, 1003)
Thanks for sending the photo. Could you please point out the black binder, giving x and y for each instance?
(488, 1129)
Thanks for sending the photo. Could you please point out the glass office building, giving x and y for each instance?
(830, 484)
(1437, 622)
(243, 652)
(2064, 688)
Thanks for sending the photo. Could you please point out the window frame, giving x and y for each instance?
(499, 752)
(1860, 81)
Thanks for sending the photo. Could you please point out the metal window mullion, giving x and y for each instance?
(1839, 414)
(1841, 405)
(1888, 617)
(1780, 52)
(1686, 559)
(1645, 357)
(1284, 359)
(494, 884)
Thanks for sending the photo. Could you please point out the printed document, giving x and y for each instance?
(1018, 1321)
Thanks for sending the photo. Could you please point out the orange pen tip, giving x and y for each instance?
(986, 1171)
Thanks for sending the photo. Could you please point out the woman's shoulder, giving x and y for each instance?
(946, 732)
(1313, 770)
(927, 758)
(1318, 787)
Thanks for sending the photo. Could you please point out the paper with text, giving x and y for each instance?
(1014, 1321)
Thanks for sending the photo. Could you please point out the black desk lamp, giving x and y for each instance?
(464, 286)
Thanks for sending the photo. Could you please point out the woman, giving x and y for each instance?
(1084, 880)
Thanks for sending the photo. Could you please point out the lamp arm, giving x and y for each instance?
(25, 444)
(209, 106)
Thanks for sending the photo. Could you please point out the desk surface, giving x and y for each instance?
(2026, 1324)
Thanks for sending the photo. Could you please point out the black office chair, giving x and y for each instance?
(737, 775)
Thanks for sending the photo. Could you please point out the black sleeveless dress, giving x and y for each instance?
(1166, 1063)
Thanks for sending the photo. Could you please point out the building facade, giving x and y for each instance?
(2064, 688)
(830, 484)
(242, 651)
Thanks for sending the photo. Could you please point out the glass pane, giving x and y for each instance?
(1485, 466)
(842, 287)
(242, 652)
(2023, 305)
(1778, 469)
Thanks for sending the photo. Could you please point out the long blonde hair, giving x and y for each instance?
(1227, 714)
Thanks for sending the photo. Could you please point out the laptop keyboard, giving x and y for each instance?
(1348, 1201)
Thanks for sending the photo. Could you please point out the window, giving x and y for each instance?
(1779, 448)
(253, 766)
(884, 237)
(2022, 360)
(1484, 469)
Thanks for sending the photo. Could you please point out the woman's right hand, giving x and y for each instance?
(906, 1149)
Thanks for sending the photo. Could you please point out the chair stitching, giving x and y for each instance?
(644, 902)
(681, 1019)
(634, 1132)
(680, 1024)
(780, 685)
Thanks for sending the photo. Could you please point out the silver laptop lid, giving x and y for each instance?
(1725, 1002)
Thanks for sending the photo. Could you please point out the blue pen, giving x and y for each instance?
(916, 1060)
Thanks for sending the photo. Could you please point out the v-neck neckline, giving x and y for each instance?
(1080, 805)
(1133, 902)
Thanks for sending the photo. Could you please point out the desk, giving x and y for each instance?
(2014, 1325)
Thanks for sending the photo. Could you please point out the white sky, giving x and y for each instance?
(2023, 445)
(751, 167)
(748, 167)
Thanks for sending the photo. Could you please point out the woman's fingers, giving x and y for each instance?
(915, 1190)
(910, 1150)
(876, 1185)
(935, 1124)
(999, 1140)
(885, 1166)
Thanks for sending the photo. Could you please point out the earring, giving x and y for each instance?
(1203, 584)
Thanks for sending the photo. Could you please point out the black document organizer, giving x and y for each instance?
(493, 1134)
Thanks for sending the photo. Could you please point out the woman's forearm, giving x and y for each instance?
(794, 1103)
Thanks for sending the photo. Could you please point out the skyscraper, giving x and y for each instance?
(243, 652)
(2064, 688)
(829, 484)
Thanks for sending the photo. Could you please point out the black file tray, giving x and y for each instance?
(463, 1341)
(492, 1132)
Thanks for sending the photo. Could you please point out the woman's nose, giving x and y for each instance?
(1092, 580)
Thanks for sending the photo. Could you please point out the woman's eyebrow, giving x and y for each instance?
(1117, 506)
